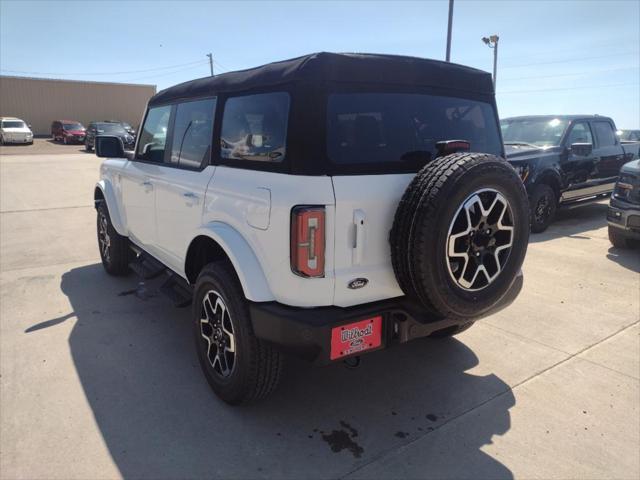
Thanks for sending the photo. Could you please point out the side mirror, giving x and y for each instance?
(108, 146)
(581, 149)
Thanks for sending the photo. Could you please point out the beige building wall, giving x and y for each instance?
(40, 101)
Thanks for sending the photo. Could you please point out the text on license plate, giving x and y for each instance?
(356, 337)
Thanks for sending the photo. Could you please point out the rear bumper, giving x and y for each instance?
(625, 216)
(306, 332)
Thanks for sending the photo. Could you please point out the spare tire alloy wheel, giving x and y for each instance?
(216, 330)
(460, 234)
(480, 239)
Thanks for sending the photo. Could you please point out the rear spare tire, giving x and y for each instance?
(460, 234)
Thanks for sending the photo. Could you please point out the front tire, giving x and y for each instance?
(617, 239)
(544, 204)
(239, 367)
(115, 250)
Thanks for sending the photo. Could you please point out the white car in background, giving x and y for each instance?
(14, 130)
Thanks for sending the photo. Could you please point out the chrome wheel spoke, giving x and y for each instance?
(216, 328)
(479, 240)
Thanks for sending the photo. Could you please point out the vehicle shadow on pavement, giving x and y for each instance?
(575, 222)
(136, 362)
(627, 257)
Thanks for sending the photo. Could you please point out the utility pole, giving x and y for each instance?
(210, 62)
(492, 42)
(449, 30)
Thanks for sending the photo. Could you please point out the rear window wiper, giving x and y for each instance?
(524, 144)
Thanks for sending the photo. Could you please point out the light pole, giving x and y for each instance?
(449, 30)
(492, 42)
(210, 62)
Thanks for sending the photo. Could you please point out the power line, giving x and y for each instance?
(106, 73)
(569, 60)
(528, 77)
(569, 88)
(164, 74)
(572, 50)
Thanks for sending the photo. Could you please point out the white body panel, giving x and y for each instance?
(162, 209)
(365, 208)
(138, 202)
(180, 197)
(249, 201)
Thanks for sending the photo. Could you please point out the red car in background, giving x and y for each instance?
(67, 131)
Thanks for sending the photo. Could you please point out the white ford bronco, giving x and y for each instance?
(326, 206)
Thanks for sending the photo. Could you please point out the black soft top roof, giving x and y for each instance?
(323, 67)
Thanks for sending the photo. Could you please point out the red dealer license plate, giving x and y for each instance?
(356, 337)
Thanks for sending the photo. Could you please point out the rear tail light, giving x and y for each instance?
(308, 241)
(448, 147)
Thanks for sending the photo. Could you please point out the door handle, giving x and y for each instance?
(191, 198)
(358, 242)
(147, 185)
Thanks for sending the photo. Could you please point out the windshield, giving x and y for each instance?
(537, 132)
(399, 131)
(110, 128)
(72, 126)
(13, 124)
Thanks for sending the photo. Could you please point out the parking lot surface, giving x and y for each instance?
(99, 378)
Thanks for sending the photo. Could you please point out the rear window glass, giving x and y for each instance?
(254, 127)
(397, 129)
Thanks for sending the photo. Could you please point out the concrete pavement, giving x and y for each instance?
(99, 382)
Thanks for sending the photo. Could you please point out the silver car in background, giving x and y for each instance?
(14, 130)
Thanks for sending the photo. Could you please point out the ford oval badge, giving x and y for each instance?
(357, 283)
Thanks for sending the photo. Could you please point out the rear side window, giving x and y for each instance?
(153, 137)
(254, 127)
(192, 133)
(580, 133)
(401, 130)
(604, 134)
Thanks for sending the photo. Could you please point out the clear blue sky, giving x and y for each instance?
(554, 56)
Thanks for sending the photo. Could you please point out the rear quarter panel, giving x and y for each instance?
(258, 205)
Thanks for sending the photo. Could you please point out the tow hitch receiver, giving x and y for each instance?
(356, 337)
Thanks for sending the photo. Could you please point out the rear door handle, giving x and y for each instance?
(147, 185)
(358, 242)
(191, 198)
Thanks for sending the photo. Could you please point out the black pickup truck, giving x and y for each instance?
(564, 159)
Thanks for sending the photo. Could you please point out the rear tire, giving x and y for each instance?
(617, 239)
(221, 323)
(87, 148)
(434, 260)
(115, 250)
(544, 204)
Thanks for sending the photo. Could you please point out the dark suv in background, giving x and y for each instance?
(127, 127)
(564, 159)
(107, 128)
(624, 209)
(67, 131)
